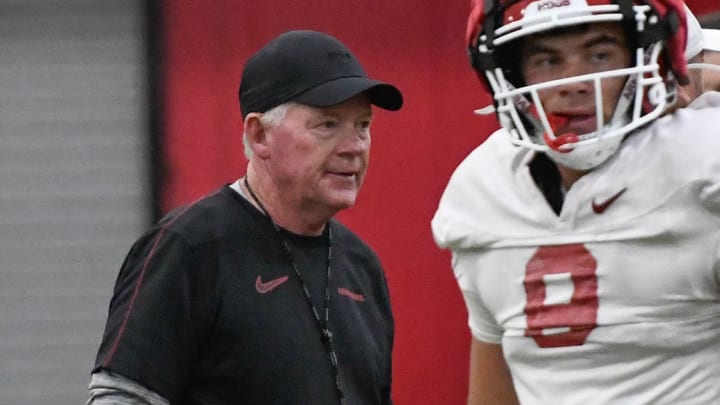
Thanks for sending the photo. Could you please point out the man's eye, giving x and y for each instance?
(540, 62)
(328, 124)
(602, 55)
(544, 61)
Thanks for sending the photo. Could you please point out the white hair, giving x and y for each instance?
(269, 118)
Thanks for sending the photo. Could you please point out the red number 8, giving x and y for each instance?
(578, 316)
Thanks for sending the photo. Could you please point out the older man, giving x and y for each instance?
(255, 294)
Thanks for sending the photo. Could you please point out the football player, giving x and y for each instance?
(586, 233)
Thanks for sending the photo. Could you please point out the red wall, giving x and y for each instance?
(702, 7)
(416, 45)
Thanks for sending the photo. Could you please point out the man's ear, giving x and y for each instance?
(256, 135)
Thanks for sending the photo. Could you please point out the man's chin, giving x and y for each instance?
(339, 199)
(344, 202)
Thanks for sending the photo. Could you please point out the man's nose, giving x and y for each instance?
(575, 67)
(354, 140)
(576, 86)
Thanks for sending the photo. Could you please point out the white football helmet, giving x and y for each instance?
(655, 31)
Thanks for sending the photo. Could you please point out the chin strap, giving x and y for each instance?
(701, 66)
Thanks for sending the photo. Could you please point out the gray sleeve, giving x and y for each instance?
(112, 389)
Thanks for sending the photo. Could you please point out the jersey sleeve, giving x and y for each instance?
(159, 315)
(111, 389)
(481, 321)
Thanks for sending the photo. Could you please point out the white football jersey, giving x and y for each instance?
(616, 300)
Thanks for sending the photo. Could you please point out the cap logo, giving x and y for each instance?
(338, 55)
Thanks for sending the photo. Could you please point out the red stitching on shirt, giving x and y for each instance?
(353, 296)
(116, 343)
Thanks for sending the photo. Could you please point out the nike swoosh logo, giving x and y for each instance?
(600, 207)
(264, 288)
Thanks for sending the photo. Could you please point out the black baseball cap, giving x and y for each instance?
(311, 68)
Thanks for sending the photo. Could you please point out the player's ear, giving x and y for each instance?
(256, 135)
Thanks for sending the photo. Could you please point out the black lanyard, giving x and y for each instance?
(322, 324)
